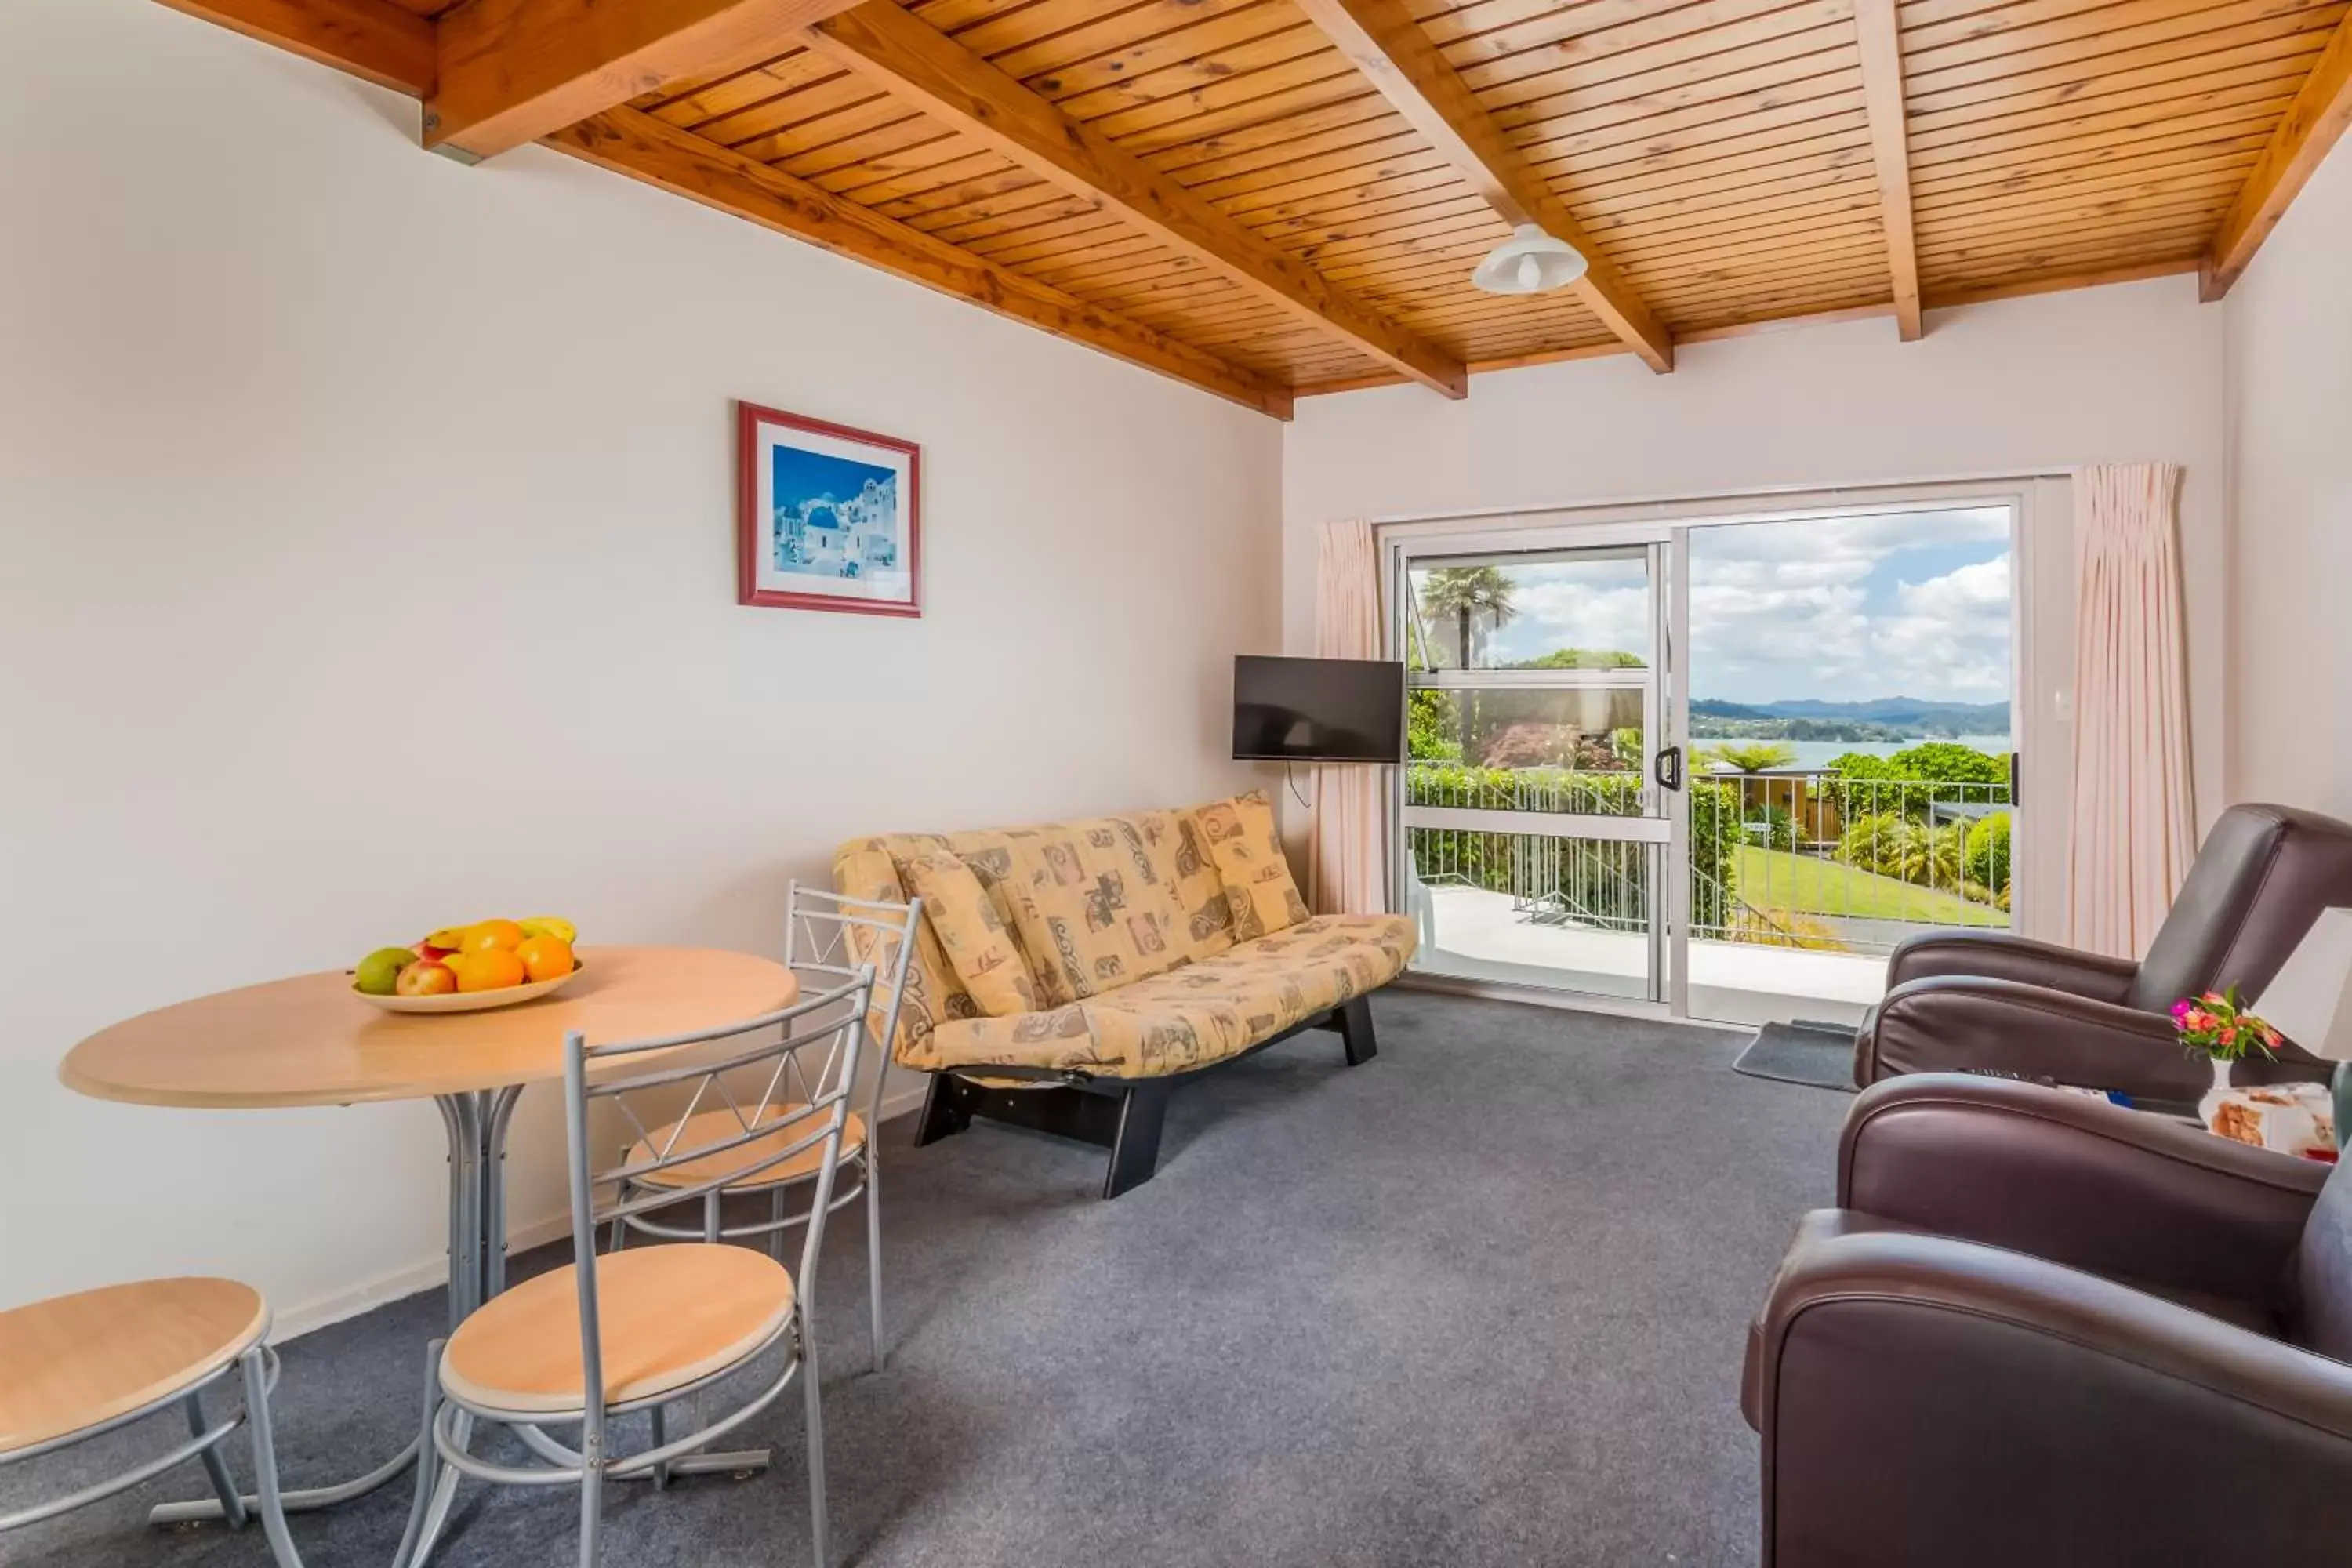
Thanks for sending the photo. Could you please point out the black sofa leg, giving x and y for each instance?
(1355, 1022)
(1135, 1148)
(944, 1110)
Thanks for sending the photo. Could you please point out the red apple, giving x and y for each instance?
(426, 950)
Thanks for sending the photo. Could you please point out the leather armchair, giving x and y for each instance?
(2043, 1330)
(1986, 1000)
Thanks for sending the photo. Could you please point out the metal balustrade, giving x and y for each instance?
(1802, 859)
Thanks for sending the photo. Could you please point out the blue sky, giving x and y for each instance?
(801, 475)
(1843, 609)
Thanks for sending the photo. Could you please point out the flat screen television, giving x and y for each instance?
(1317, 710)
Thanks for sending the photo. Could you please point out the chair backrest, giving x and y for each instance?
(2259, 883)
(800, 1063)
(2323, 1271)
(834, 935)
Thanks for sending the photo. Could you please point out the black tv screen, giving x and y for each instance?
(1317, 710)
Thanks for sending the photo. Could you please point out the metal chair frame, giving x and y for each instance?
(804, 1027)
(256, 1366)
(830, 935)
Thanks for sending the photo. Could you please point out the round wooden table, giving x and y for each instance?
(310, 1041)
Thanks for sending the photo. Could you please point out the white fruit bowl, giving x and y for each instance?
(472, 1000)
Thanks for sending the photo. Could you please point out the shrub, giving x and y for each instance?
(1872, 843)
(1988, 859)
(1432, 726)
(1489, 859)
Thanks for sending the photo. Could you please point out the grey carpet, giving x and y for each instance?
(1479, 1302)
(1818, 1055)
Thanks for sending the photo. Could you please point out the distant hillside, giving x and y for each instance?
(1913, 714)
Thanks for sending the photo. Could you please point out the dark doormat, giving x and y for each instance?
(1820, 1056)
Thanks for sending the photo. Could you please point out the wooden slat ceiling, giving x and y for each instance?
(1720, 152)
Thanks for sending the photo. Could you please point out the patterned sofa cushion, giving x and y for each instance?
(1190, 1016)
(1247, 847)
(1095, 906)
(978, 947)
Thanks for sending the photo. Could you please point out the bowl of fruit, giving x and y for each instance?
(465, 969)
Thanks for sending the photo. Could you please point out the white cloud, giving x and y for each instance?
(1787, 609)
(1957, 626)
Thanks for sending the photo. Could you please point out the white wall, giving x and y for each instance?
(2290, 424)
(2131, 372)
(366, 562)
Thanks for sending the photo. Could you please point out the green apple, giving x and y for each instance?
(379, 972)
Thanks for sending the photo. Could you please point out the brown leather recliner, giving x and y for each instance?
(1967, 999)
(2043, 1330)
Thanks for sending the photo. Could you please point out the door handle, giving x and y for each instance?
(1669, 767)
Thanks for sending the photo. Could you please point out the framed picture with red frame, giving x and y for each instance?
(826, 518)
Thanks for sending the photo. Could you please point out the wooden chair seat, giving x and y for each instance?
(668, 1314)
(71, 1362)
(717, 1126)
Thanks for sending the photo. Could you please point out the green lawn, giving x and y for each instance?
(1777, 879)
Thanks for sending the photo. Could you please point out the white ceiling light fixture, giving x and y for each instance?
(1529, 262)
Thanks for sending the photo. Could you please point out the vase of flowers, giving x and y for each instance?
(2217, 1026)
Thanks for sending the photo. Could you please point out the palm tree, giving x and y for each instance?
(1467, 592)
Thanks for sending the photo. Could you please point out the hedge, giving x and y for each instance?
(1487, 859)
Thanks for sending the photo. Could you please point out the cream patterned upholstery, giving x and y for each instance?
(1128, 993)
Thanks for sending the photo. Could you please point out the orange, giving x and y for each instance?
(492, 969)
(483, 936)
(545, 957)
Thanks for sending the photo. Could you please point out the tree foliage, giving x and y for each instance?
(1757, 757)
(1988, 861)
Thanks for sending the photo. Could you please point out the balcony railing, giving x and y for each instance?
(1799, 859)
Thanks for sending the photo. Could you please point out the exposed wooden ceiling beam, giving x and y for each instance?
(648, 149)
(1890, 147)
(1949, 298)
(512, 71)
(2312, 124)
(1405, 65)
(923, 67)
(372, 40)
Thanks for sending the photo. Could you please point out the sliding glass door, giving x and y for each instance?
(1536, 808)
(1718, 765)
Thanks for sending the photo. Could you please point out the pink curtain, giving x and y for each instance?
(2133, 821)
(1348, 844)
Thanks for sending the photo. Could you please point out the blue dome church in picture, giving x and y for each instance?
(832, 535)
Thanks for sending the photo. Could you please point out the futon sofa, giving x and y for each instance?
(1068, 976)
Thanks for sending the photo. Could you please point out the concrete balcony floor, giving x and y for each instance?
(1479, 936)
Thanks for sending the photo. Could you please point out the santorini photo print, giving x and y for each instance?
(827, 517)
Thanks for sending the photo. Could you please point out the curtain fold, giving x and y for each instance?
(2132, 821)
(1348, 840)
